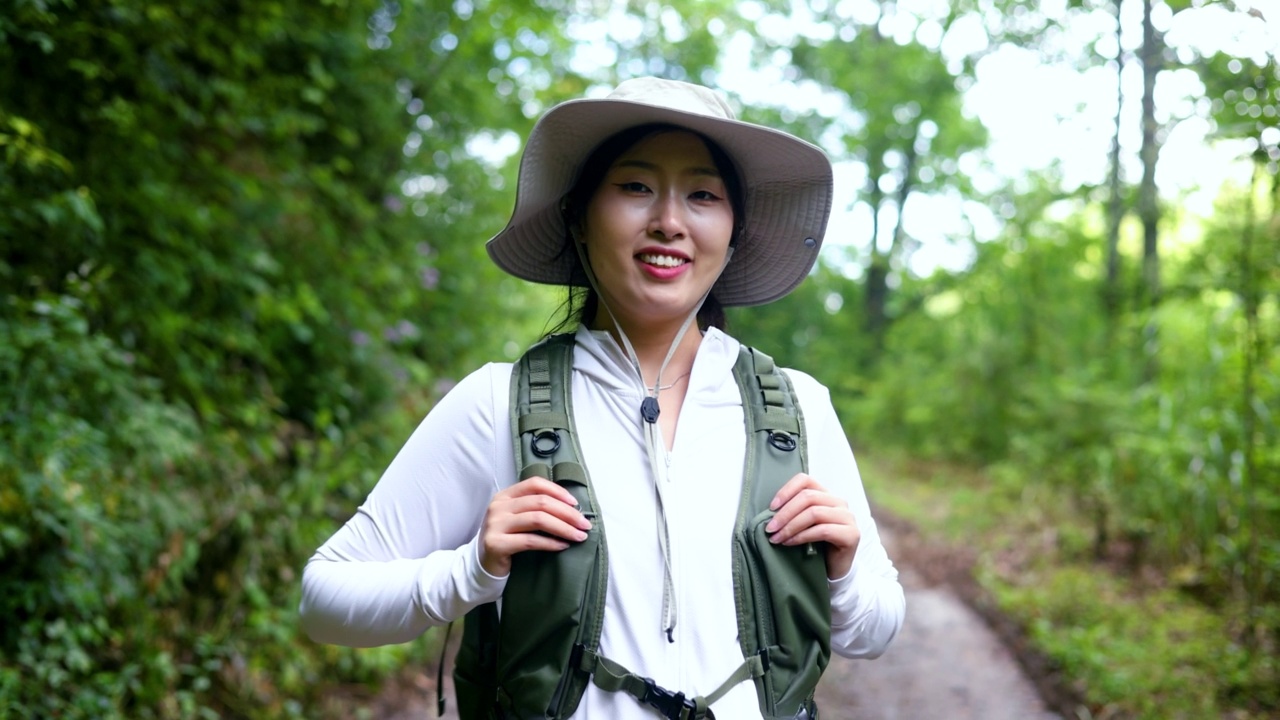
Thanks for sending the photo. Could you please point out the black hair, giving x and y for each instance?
(583, 302)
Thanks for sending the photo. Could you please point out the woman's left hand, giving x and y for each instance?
(805, 513)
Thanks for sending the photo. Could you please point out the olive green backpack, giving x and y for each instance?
(537, 659)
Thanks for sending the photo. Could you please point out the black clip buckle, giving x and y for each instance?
(666, 702)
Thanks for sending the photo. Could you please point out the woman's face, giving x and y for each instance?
(657, 230)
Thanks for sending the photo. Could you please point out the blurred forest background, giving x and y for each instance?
(243, 254)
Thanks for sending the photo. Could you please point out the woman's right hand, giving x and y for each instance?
(534, 514)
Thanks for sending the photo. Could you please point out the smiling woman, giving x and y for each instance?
(714, 166)
(656, 230)
(739, 544)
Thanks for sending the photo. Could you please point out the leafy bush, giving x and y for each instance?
(79, 529)
(1141, 655)
(221, 313)
(1155, 424)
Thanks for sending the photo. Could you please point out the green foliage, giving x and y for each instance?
(1245, 103)
(909, 135)
(241, 247)
(910, 126)
(78, 528)
(1141, 655)
(1163, 445)
(797, 329)
(219, 318)
(1130, 646)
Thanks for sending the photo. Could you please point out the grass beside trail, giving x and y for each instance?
(1131, 644)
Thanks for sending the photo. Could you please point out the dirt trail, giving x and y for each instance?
(946, 664)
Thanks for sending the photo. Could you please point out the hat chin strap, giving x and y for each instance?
(649, 411)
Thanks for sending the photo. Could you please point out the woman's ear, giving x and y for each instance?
(573, 224)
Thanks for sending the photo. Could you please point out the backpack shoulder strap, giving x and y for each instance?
(776, 445)
(557, 611)
(781, 593)
(542, 413)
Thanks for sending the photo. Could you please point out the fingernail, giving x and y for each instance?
(580, 536)
(773, 504)
(771, 527)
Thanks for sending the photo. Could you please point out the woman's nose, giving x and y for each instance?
(668, 218)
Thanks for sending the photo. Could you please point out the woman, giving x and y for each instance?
(666, 209)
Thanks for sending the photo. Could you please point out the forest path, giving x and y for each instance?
(946, 663)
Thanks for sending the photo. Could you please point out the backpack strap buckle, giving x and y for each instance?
(673, 706)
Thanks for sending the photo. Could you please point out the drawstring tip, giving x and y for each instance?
(670, 637)
(649, 410)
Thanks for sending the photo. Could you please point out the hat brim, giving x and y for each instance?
(787, 185)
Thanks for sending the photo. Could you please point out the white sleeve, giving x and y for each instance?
(867, 604)
(408, 559)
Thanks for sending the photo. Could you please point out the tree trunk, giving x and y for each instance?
(877, 290)
(1148, 200)
(877, 296)
(876, 318)
(904, 190)
(1254, 351)
(1115, 206)
(1148, 203)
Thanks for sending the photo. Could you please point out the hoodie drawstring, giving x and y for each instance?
(649, 411)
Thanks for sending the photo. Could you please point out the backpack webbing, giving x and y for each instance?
(537, 661)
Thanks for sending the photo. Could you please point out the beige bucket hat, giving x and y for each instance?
(786, 187)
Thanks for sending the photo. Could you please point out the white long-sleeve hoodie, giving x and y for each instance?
(408, 560)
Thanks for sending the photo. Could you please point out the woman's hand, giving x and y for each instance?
(805, 513)
(534, 514)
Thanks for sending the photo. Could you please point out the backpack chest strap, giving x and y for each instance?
(612, 677)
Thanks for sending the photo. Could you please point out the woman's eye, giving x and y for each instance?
(704, 195)
(636, 187)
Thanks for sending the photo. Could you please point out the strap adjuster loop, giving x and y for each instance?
(783, 441)
(545, 443)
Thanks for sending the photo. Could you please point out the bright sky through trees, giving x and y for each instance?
(1040, 114)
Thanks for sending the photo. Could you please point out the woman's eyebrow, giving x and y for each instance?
(646, 165)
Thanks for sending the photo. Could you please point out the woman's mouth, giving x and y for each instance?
(664, 261)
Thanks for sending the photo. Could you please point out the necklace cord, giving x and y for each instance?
(673, 383)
